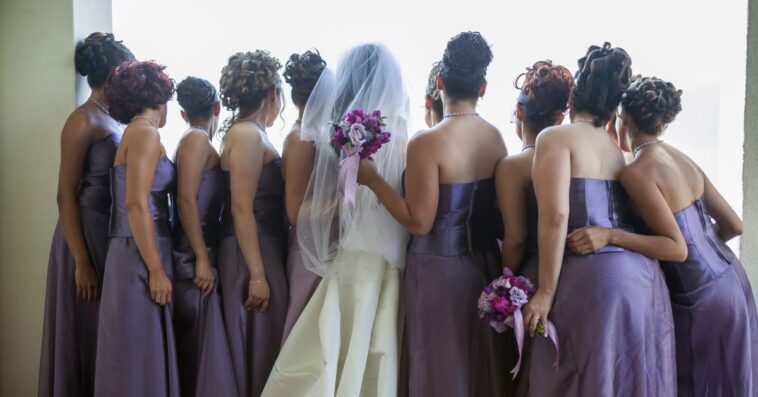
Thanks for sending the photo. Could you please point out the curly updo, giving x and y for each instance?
(97, 55)
(196, 96)
(545, 91)
(247, 78)
(135, 86)
(652, 104)
(302, 72)
(464, 65)
(603, 76)
(431, 88)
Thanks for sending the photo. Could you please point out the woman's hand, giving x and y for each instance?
(258, 294)
(587, 240)
(204, 276)
(160, 287)
(367, 172)
(537, 310)
(86, 281)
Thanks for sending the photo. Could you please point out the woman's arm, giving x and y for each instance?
(666, 243)
(142, 156)
(246, 156)
(551, 175)
(512, 203)
(728, 223)
(75, 141)
(298, 157)
(191, 158)
(417, 210)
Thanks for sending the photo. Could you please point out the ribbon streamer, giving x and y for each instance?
(348, 177)
(518, 328)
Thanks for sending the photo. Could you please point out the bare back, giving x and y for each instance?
(593, 153)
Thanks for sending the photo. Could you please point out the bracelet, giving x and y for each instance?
(258, 281)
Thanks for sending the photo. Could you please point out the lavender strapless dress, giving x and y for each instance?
(202, 350)
(451, 352)
(69, 334)
(302, 283)
(136, 354)
(611, 310)
(254, 338)
(714, 313)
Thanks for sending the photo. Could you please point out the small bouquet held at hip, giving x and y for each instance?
(500, 305)
(357, 136)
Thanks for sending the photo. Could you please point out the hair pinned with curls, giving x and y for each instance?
(464, 65)
(247, 78)
(97, 55)
(135, 86)
(603, 76)
(652, 104)
(431, 88)
(544, 94)
(302, 72)
(196, 96)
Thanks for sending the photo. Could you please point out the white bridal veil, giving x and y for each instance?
(367, 77)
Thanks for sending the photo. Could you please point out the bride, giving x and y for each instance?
(346, 341)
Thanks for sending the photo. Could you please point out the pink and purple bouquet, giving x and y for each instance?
(500, 305)
(357, 136)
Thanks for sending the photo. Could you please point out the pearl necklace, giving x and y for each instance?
(459, 114)
(252, 120)
(99, 105)
(139, 116)
(639, 147)
(526, 147)
(583, 121)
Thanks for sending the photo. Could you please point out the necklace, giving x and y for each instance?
(459, 114)
(527, 147)
(252, 120)
(639, 147)
(139, 116)
(583, 121)
(99, 105)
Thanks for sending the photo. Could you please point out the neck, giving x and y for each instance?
(203, 123)
(528, 137)
(98, 94)
(641, 139)
(257, 115)
(151, 114)
(300, 113)
(459, 106)
(581, 116)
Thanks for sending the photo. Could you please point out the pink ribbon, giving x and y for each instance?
(348, 177)
(518, 328)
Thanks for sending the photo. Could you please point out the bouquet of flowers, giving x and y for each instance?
(500, 305)
(357, 136)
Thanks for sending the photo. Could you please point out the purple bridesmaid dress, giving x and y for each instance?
(714, 313)
(451, 352)
(255, 338)
(203, 353)
(302, 283)
(69, 335)
(612, 312)
(136, 353)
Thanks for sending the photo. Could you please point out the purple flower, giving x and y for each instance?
(518, 296)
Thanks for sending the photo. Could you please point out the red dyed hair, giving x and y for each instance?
(135, 86)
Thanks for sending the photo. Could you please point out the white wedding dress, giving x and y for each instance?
(346, 342)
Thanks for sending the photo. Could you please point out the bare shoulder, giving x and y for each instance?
(242, 133)
(639, 170)
(517, 165)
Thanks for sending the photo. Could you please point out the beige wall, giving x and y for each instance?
(749, 175)
(38, 92)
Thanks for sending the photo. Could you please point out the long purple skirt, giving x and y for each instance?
(302, 284)
(254, 338)
(615, 329)
(69, 334)
(136, 353)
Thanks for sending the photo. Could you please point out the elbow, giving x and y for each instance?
(185, 202)
(240, 209)
(417, 229)
(135, 205)
(678, 253)
(554, 219)
(737, 229)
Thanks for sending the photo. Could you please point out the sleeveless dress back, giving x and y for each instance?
(136, 353)
(69, 334)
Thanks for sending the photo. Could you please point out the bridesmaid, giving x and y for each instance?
(432, 99)
(301, 72)
(542, 102)
(448, 207)
(77, 256)
(135, 351)
(611, 308)
(714, 310)
(199, 326)
(252, 250)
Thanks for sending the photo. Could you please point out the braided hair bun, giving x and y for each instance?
(464, 65)
(302, 72)
(652, 104)
(603, 75)
(97, 55)
(196, 96)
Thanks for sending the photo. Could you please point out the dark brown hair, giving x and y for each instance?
(247, 78)
(464, 65)
(302, 72)
(97, 55)
(135, 86)
(196, 96)
(652, 103)
(431, 88)
(603, 75)
(545, 91)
